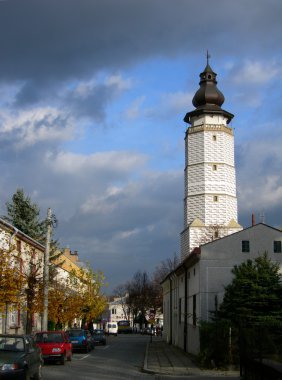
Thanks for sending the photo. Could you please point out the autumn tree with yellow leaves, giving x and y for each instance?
(11, 281)
(78, 297)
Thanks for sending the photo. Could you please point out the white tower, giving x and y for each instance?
(210, 201)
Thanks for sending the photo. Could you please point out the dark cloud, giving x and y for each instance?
(72, 38)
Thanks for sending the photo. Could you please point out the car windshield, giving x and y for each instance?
(73, 333)
(11, 344)
(98, 332)
(49, 337)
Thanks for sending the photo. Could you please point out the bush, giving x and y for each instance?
(215, 349)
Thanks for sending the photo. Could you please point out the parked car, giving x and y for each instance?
(81, 339)
(20, 358)
(99, 336)
(54, 345)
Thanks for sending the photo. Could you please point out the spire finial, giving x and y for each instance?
(208, 57)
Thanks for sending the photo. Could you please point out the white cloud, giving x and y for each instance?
(170, 104)
(103, 204)
(118, 82)
(134, 110)
(259, 175)
(127, 234)
(257, 73)
(43, 124)
(67, 162)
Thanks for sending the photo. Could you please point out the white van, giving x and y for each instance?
(111, 328)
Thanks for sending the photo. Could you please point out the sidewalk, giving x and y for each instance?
(165, 359)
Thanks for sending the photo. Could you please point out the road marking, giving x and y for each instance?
(84, 357)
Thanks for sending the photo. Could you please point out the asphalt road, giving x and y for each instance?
(121, 359)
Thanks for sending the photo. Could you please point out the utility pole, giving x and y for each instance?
(46, 270)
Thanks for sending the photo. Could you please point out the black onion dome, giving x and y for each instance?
(208, 93)
(208, 99)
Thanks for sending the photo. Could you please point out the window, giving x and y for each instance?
(214, 137)
(214, 167)
(277, 246)
(194, 310)
(216, 234)
(245, 246)
(215, 198)
(179, 310)
(19, 246)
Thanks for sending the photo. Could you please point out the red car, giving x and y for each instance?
(55, 345)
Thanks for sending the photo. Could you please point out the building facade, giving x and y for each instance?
(196, 288)
(27, 255)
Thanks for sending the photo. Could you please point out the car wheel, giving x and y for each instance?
(38, 375)
(26, 374)
(63, 359)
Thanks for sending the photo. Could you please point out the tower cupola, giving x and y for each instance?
(208, 92)
(208, 99)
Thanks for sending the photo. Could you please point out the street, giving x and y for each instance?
(121, 358)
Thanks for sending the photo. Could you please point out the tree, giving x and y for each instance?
(89, 285)
(250, 314)
(24, 215)
(165, 267)
(11, 281)
(255, 294)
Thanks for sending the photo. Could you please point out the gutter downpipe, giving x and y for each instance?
(6, 303)
(12, 236)
(185, 310)
(170, 310)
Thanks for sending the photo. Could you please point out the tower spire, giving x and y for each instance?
(208, 57)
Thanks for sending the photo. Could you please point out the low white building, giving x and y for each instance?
(196, 286)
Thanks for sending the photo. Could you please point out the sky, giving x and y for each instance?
(92, 99)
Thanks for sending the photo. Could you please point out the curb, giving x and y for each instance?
(145, 365)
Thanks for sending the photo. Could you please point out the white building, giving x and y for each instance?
(28, 255)
(212, 241)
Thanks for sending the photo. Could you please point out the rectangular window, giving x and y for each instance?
(245, 246)
(214, 167)
(214, 137)
(277, 246)
(194, 310)
(215, 198)
(179, 310)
